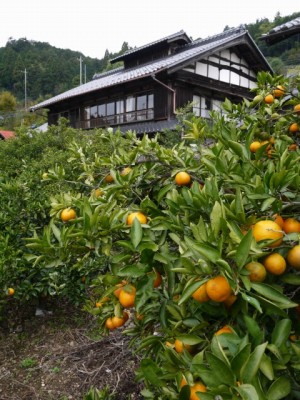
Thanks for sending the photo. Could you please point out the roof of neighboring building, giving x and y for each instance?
(4, 135)
(188, 53)
(281, 32)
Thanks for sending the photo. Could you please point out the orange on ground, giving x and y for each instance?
(200, 294)
(218, 288)
(197, 387)
(291, 225)
(127, 296)
(257, 271)
(294, 127)
(158, 280)
(180, 346)
(293, 257)
(138, 215)
(297, 108)
(278, 91)
(267, 230)
(269, 99)
(275, 263)
(67, 214)
(254, 146)
(224, 329)
(182, 178)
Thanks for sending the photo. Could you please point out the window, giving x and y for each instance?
(132, 108)
(201, 106)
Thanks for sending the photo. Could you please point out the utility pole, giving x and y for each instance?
(25, 87)
(80, 69)
(84, 73)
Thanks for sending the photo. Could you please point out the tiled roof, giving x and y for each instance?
(174, 36)
(187, 54)
(7, 135)
(282, 31)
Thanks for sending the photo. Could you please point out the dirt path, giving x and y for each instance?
(60, 356)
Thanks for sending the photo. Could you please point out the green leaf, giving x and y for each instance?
(189, 289)
(251, 300)
(279, 389)
(291, 279)
(254, 329)
(133, 271)
(248, 392)
(205, 250)
(216, 364)
(151, 371)
(269, 292)
(243, 250)
(266, 367)
(252, 365)
(136, 232)
(281, 332)
(215, 218)
(240, 359)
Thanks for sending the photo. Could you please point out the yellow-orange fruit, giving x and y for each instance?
(268, 230)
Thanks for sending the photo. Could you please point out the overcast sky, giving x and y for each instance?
(92, 26)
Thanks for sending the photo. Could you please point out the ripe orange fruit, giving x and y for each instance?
(224, 329)
(200, 294)
(183, 382)
(293, 147)
(182, 178)
(119, 287)
(278, 219)
(291, 225)
(138, 215)
(120, 321)
(10, 291)
(127, 296)
(109, 179)
(269, 99)
(278, 91)
(254, 146)
(218, 288)
(297, 108)
(267, 230)
(294, 127)
(158, 280)
(275, 264)
(293, 257)
(230, 300)
(197, 387)
(257, 271)
(180, 346)
(98, 192)
(109, 324)
(125, 171)
(67, 214)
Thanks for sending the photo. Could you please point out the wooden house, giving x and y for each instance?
(161, 77)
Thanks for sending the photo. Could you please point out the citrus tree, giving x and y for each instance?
(194, 250)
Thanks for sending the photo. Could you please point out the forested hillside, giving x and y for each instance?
(50, 70)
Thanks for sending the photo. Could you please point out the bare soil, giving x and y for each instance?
(60, 356)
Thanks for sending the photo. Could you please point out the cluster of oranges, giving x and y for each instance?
(272, 232)
(126, 294)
